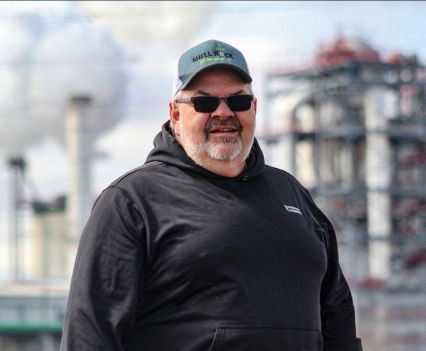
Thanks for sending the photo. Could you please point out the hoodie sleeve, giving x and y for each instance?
(107, 276)
(337, 309)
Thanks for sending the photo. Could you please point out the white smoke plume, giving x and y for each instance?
(51, 54)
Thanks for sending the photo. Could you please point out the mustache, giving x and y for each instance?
(230, 122)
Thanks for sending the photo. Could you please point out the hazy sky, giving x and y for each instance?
(153, 34)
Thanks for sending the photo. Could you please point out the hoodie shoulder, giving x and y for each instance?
(283, 176)
(135, 173)
(280, 179)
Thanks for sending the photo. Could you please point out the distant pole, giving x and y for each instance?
(17, 166)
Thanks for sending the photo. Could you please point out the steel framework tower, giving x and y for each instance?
(354, 132)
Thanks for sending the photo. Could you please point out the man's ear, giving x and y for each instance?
(255, 105)
(174, 116)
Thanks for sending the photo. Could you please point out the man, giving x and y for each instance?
(204, 247)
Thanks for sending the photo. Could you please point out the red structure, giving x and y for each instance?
(344, 49)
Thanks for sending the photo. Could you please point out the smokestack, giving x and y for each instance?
(79, 146)
(378, 179)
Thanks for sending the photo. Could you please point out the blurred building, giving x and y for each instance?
(31, 316)
(64, 80)
(49, 242)
(352, 128)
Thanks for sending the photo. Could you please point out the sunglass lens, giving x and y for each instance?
(209, 104)
(239, 102)
(205, 103)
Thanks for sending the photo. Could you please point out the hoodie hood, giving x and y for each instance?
(168, 151)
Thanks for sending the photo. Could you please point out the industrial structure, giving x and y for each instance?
(32, 306)
(352, 129)
(64, 81)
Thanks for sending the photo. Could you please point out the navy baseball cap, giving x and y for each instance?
(208, 54)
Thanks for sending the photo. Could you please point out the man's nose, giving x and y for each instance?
(223, 110)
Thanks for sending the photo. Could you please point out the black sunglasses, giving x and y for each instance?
(236, 103)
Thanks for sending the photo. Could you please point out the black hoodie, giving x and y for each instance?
(176, 258)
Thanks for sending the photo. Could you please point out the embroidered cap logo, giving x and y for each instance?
(220, 49)
(217, 54)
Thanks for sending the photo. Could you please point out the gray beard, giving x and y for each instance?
(213, 148)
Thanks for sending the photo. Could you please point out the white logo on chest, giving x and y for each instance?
(292, 209)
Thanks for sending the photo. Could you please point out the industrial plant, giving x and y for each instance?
(63, 70)
(351, 126)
